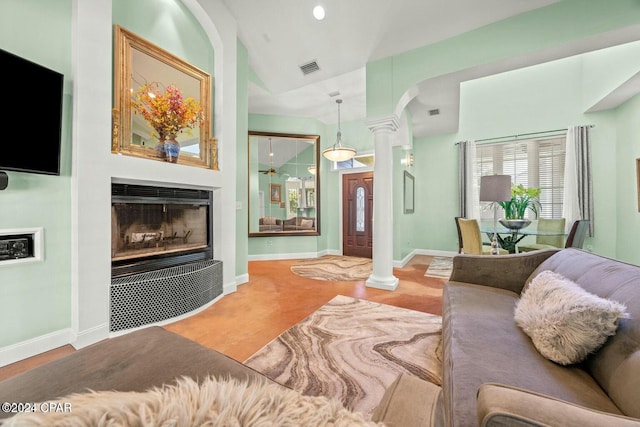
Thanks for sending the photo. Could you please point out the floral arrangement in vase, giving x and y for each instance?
(521, 199)
(167, 112)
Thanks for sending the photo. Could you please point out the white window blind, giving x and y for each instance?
(532, 163)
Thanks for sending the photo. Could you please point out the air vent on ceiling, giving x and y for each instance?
(434, 112)
(309, 67)
(334, 93)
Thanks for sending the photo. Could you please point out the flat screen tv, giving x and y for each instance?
(32, 120)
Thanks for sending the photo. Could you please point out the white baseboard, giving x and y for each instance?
(242, 279)
(91, 336)
(273, 257)
(34, 346)
(403, 262)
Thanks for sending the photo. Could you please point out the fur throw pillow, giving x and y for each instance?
(565, 322)
(213, 402)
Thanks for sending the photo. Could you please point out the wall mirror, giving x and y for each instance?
(408, 193)
(138, 62)
(284, 184)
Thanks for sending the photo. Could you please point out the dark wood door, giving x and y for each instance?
(357, 214)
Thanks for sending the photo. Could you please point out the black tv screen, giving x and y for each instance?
(32, 118)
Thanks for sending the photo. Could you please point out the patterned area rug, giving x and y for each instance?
(334, 267)
(352, 350)
(440, 267)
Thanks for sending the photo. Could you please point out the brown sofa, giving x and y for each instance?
(269, 224)
(493, 375)
(296, 223)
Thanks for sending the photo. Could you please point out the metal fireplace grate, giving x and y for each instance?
(144, 298)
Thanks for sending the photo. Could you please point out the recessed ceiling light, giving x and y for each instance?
(318, 12)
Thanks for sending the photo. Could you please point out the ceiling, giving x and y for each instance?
(282, 35)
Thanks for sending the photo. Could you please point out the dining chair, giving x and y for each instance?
(471, 239)
(578, 232)
(545, 242)
(459, 234)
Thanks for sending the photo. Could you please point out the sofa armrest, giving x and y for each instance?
(499, 271)
(501, 405)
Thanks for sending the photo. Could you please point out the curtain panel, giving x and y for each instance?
(578, 191)
(469, 199)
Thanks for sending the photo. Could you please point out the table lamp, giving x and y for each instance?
(495, 188)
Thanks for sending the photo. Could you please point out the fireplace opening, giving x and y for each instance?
(158, 227)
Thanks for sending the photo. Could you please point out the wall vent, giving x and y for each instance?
(309, 67)
(434, 112)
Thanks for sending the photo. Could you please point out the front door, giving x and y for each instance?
(357, 214)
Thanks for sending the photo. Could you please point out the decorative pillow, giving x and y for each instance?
(269, 220)
(565, 322)
(306, 223)
(214, 402)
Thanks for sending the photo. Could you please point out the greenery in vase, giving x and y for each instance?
(168, 112)
(521, 199)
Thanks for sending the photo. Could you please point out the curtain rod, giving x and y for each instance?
(525, 134)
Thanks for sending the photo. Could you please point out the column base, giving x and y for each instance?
(387, 283)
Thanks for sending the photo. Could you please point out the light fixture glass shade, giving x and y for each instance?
(339, 152)
(312, 170)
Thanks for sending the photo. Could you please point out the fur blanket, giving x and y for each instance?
(213, 402)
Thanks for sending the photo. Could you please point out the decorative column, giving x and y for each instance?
(382, 276)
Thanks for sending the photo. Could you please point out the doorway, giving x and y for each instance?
(357, 214)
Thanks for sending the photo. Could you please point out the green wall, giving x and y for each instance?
(627, 216)
(168, 24)
(533, 99)
(564, 22)
(36, 297)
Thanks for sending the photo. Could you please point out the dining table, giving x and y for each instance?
(508, 238)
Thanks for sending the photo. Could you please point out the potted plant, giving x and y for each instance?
(514, 209)
(168, 113)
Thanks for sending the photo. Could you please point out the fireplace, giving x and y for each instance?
(158, 227)
(162, 262)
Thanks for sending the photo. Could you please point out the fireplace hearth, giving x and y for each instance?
(162, 262)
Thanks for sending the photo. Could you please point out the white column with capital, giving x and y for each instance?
(382, 275)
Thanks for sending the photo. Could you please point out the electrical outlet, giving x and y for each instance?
(589, 248)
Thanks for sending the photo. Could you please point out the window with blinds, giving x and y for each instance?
(532, 163)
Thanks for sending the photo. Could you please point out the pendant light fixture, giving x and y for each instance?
(338, 152)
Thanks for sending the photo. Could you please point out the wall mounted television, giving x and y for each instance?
(32, 96)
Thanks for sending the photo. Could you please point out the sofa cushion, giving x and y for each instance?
(306, 223)
(564, 321)
(410, 401)
(482, 344)
(135, 361)
(616, 366)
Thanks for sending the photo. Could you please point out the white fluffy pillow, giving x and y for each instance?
(564, 321)
(269, 220)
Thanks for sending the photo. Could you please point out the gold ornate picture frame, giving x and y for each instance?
(138, 62)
